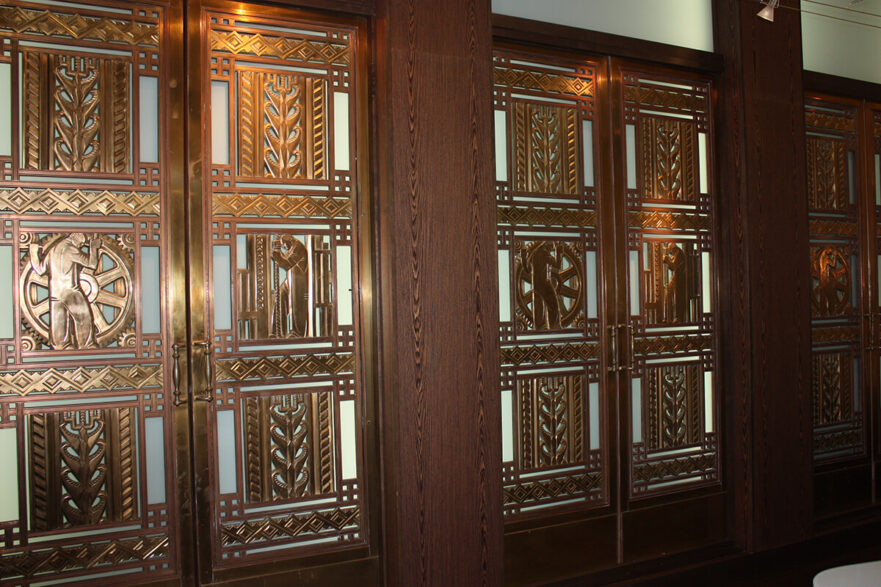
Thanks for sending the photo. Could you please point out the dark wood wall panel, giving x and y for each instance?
(442, 452)
(762, 175)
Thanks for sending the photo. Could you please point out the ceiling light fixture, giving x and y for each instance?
(768, 11)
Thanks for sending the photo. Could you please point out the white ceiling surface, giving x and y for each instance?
(686, 23)
(847, 49)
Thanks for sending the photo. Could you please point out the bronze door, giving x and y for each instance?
(88, 207)
(182, 383)
(608, 307)
(280, 456)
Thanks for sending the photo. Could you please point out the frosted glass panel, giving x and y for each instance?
(854, 282)
(587, 149)
(241, 251)
(878, 180)
(344, 284)
(219, 123)
(702, 159)
(851, 180)
(222, 288)
(593, 406)
(630, 138)
(6, 293)
(878, 272)
(507, 426)
(501, 121)
(150, 296)
(590, 258)
(149, 125)
(155, 451)
(832, 45)
(9, 478)
(5, 110)
(347, 439)
(226, 451)
(504, 286)
(706, 292)
(856, 385)
(686, 23)
(708, 401)
(341, 131)
(633, 265)
(636, 408)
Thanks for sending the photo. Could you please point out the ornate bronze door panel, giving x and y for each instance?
(834, 196)
(607, 304)
(843, 203)
(671, 307)
(140, 440)
(550, 272)
(278, 411)
(87, 207)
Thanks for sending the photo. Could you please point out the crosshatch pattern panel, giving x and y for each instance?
(552, 396)
(85, 431)
(834, 213)
(671, 302)
(285, 433)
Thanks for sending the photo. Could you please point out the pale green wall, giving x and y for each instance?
(842, 48)
(687, 23)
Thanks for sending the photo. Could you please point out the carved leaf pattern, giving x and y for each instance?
(283, 157)
(553, 423)
(669, 161)
(83, 473)
(76, 122)
(289, 432)
(675, 409)
(546, 150)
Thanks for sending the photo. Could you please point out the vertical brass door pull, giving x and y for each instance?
(175, 373)
(613, 344)
(629, 365)
(207, 393)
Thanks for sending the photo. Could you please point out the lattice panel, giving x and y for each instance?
(671, 305)
(548, 237)
(84, 378)
(833, 209)
(283, 254)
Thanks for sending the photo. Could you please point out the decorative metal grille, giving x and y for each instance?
(553, 436)
(283, 256)
(833, 208)
(83, 401)
(670, 266)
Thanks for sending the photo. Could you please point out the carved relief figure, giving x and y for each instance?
(675, 291)
(554, 300)
(545, 270)
(290, 312)
(670, 282)
(68, 305)
(831, 281)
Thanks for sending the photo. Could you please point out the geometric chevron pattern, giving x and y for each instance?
(90, 555)
(78, 201)
(81, 379)
(291, 526)
(275, 367)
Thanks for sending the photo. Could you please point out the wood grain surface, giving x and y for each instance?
(762, 174)
(437, 265)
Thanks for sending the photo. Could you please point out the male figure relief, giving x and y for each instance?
(67, 302)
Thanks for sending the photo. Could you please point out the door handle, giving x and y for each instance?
(207, 393)
(175, 373)
(629, 366)
(613, 343)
